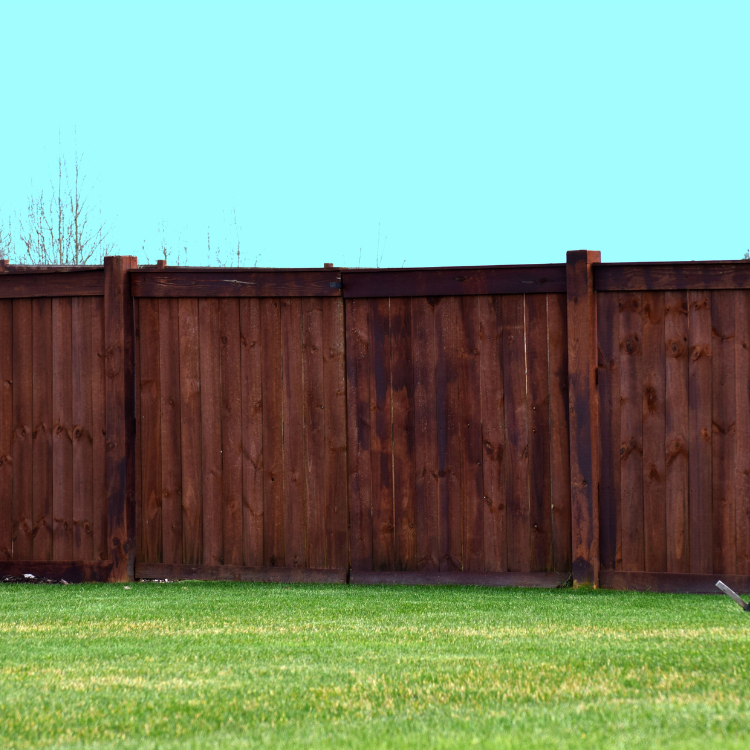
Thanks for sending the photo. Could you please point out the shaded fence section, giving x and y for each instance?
(458, 433)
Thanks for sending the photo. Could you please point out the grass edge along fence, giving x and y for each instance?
(498, 425)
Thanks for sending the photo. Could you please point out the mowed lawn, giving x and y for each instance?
(230, 665)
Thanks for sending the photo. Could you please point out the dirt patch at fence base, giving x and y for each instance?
(32, 579)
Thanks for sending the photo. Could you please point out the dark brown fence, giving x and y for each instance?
(499, 425)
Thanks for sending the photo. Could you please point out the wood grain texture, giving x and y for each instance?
(83, 441)
(516, 434)
(448, 432)
(493, 433)
(119, 337)
(470, 430)
(676, 431)
(425, 434)
(210, 370)
(171, 443)
(427, 282)
(62, 441)
(252, 431)
(612, 277)
(540, 512)
(631, 430)
(742, 405)
(335, 472)
(41, 313)
(654, 426)
(274, 554)
(53, 282)
(583, 399)
(404, 457)
(99, 431)
(672, 583)
(231, 430)
(294, 446)
(700, 427)
(150, 430)
(559, 432)
(381, 446)
(190, 433)
(610, 506)
(724, 429)
(6, 430)
(22, 451)
(314, 432)
(227, 282)
(358, 418)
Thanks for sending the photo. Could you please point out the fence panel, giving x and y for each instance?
(53, 500)
(241, 431)
(674, 378)
(457, 426)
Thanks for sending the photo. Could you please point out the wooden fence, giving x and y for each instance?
(497, 425)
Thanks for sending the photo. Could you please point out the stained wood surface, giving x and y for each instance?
(234, 283)
(742, 437)
(676, 431)
(41, 310)
(6, 430)
(20, 284)
(613, 277)
(426, 282)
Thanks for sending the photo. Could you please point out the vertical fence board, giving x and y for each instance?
(404, 460)
(210, 371)
(425, 435)
(171, 448)
(273, 457)
(472, 489)
(723, 442)
(654, 425)
(22, 453)
(293, 411)
(231, 430)
(516, 428)
(41, 312)
(610, 512)
(381, 436)
(742, 404)
(493, 434)
(150, 429)
(314, 433)
(359, 416)
(449, 438)
(99, 429)
(335, 471)
(252, 432)
(6, 430)
(631, 429)
(83, 447)
(62, 446)
(700, 490)
(540, 512)
(559, 431)
(676, 431)
(190, 434)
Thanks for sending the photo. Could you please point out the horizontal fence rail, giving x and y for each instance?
(489, 425)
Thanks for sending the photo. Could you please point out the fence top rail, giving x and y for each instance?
(19, 282)
(665, 276)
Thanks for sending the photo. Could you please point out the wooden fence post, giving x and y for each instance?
(119, 342)
(583, 397)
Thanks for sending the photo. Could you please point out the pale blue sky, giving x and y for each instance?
(464, 133)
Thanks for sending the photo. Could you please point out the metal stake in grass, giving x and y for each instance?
(726, 590)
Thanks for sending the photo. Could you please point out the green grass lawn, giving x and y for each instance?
(229, 665)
